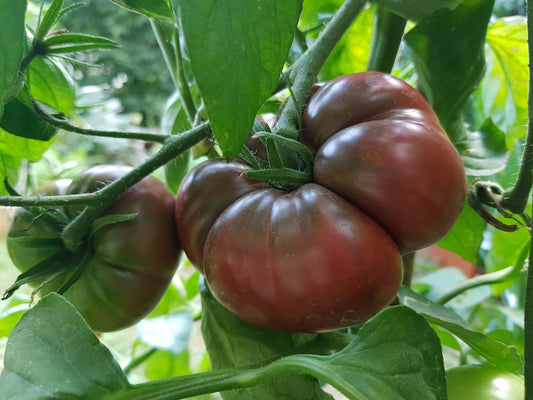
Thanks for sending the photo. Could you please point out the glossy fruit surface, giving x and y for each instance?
(131, 263)
(483, 382)
(380, 146)
(304, 261)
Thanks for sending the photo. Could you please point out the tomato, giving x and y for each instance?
(131, 263)
(328, 254)
(205, 192)
(305, 261)
(484, 382)
(380, 146)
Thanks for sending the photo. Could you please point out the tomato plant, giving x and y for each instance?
(313, 149)
(129, 264)
(477, 382)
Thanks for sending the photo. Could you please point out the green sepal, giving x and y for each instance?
(99, 223)
(47, 270)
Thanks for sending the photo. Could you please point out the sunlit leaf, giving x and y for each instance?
(484, 152)
(502, 94)
(466, 235)
(447, 49)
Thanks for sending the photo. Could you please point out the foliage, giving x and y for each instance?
(219, 64)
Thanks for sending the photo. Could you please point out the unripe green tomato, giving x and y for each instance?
(484, 382)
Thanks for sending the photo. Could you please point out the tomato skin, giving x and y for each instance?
(132, 262)
(304, 261)
(365, 96)
(380, 145)
(204, 193)
(406, 176)
(483, 382)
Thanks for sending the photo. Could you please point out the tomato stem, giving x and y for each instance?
(303, 73)
(174, 60)
(491, 278)
(74, 233)
(63, 123)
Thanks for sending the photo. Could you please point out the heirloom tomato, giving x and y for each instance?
(304, 261)
(130, 263)
(379, 145)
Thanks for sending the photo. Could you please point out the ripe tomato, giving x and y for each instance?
(303, 261)
(380, 146)
(483, 382)
(131, 263)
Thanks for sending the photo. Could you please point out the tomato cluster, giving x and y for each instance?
(326, 255)
(387, 181)
(130, 263)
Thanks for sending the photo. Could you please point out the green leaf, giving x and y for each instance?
(12, 38)
(232, 342)
(173, 121)
(237, 49)
(466, 235)
(13, 150)
(485, 151)
(49, 82)
(74, 42)
(496, 352)
(395, 356)
(165, 364)
(502, 93)
(52, 353)
(20, 119)
(447, 49)
(161, 9)
(417, 10)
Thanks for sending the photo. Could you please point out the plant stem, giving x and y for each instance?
(139, 360)
(515, 199)
(172, 54)
(74, 233)
(387, 35)
(490, 278)
(528, 326)
(67, 126)
(304, 72)
(408, 261)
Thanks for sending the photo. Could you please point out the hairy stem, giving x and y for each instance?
(516, 198)
(516, 201)
(74, 233)
(304, 72)
(67, 126)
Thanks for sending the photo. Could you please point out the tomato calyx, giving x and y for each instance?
(288, 165)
